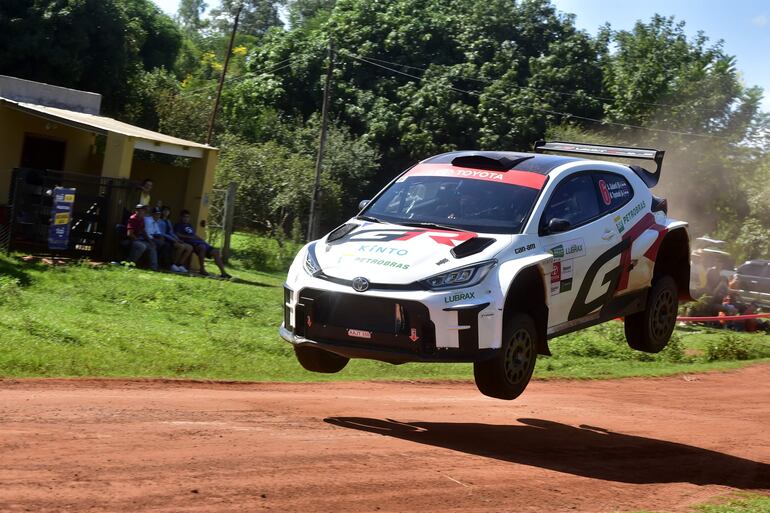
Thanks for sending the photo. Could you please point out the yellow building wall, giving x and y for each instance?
(13, 127)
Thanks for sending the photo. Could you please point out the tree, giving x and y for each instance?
(257, 16)
(189, 15)
(96, 45)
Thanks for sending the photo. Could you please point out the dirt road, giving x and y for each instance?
(564, 446)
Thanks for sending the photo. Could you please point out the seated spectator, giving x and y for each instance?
(186, 232)
(163, 247)
(140, 242)
(182, 250)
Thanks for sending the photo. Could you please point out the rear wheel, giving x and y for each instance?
(318, 360)
(507, 374)
(651, 329)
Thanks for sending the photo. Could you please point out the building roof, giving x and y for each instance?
(145, 139)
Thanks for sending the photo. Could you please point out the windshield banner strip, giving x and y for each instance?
(512, 177)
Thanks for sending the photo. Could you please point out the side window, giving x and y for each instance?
(751, 269)
(614, 191)
(574, 200)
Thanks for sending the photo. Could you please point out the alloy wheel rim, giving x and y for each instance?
(663, 314)
(518, 355)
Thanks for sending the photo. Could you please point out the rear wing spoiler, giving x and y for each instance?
(602, 150)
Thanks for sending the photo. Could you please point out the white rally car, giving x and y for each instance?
(476, 256)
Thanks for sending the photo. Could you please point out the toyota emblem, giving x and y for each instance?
(360, 284)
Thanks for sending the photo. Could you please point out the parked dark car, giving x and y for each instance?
(752, 282)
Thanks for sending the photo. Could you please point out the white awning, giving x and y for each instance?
(145, 139)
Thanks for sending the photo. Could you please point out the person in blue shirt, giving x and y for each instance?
(182, 250)
(185, 231)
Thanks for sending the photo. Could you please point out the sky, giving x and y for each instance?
(744, 25)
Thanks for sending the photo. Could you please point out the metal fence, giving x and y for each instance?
(101, 205)
(221, 213)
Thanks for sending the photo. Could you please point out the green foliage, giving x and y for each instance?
(96, 45)
(731, 347)
(115, 321)
(273, 255)
(257, 16)
(745, 503)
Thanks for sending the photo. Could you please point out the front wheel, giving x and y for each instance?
(651, 329)
(318, 360)
(507, 374)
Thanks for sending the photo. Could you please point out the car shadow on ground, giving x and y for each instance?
(584, 451)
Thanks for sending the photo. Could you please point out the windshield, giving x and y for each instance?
(462, 203)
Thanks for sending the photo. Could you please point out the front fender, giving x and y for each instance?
(512, 268)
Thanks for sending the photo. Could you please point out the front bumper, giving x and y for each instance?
(394, 328)
(389, 354)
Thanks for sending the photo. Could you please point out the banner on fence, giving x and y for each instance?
(61, 218)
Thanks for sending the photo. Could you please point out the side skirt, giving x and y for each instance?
(619, 306)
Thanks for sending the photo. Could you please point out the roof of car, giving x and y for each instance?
(536, 163)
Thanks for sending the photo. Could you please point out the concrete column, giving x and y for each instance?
(118, 155)
(200, 181)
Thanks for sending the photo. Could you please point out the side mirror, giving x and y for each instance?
(558, 225)
(362, 204)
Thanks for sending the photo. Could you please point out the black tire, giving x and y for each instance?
(318, 360)
(507, 374)
(651, 329)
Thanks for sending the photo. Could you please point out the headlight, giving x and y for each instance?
(462, 277)
(311, 265)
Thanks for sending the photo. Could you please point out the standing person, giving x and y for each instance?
(182, 250)
(144, 192)
(140, 242)
(186, 232)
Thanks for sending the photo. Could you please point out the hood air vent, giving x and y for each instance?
(471, 247)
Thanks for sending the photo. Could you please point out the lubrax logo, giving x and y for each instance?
(462, 296)
(382, 250)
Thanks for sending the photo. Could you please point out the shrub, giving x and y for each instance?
(729, 347)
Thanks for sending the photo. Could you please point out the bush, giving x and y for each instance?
(728, 348)
(264, 254)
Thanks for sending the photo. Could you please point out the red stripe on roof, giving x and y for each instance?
(512, 177)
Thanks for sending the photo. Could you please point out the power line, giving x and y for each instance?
(539, 109)
(563, 93)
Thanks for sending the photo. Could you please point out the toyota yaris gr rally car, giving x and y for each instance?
(475, 256)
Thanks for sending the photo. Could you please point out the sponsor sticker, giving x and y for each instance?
(522, 249)
(382, 250)
(619, 224)
(574, 248)
(445, 237)
(619, 190)
(554, 288)
(565, 285)
(384, 263)
(556, 272)
(460, 296)
(514, 177)
(359, 333)
(639, 207)
(605, 192)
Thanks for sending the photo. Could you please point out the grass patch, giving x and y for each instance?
(744, 504)
(124, 322)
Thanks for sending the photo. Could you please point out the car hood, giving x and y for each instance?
(396, 254)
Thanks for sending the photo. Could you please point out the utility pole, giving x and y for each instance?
(312, 226)
(213, 116)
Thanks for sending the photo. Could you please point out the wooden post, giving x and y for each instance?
(227, 221)
(313, 222)
(213, 116)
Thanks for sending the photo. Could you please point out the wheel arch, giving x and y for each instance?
(673, 258)
(527, 294)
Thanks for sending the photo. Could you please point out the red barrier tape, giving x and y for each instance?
(723, 318)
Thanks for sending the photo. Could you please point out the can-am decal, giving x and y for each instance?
(445, 237)
(522, 249)
(511, 177)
